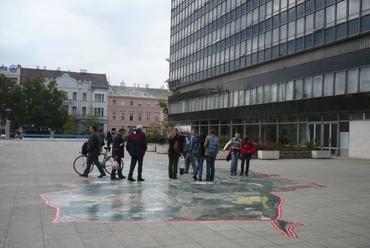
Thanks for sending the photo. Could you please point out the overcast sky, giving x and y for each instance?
(126, 39)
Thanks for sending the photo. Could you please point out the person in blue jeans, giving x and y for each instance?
(198, 151)
(211, 145)
(234, 144)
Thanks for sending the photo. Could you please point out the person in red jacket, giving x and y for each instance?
(248, 148)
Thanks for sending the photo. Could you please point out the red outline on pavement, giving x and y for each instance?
(57, 209)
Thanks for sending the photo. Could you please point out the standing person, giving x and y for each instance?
(198, 151)
(136, 147)
(191, 158)
(175, 148)
(93, 152)
(234, 144)
(118, 153)
(247, 149)
(109, 139)
(212, 146)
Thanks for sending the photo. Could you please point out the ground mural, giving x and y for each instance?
(160, 199)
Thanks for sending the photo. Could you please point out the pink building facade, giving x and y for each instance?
(129, 107)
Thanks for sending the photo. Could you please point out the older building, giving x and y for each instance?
(132, 106)
(13, 72)
(288, 71)
(86, 93)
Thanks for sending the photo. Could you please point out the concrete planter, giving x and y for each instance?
(319, 154)
(162, 149)
(221, 155)
(152, 147)
(268, 155)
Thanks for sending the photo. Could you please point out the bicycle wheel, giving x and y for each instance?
(79, 164)
(107, 164)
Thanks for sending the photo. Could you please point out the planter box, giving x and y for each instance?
(221, 155)
(151, 147)
(295, 154)
(268, 155)
(162, 149)
(318, 154)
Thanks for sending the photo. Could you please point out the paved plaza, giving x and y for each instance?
(285, 203)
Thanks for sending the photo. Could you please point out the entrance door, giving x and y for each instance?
(330, 137)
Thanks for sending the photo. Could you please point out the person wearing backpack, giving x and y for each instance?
(198, 151)
(212, 146)
(234, 144)
(175, 148)
(247, 149)
(191, 157)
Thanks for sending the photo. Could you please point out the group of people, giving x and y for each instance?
(198, 149)
(136, 147)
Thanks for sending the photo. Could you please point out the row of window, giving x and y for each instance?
(291, 26)
(262, 48)
(131, 116)
(99, 112)
(336, 83)
(140, 104)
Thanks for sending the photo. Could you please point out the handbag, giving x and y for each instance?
(115, 165)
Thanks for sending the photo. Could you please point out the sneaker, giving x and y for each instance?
(131, 180)
(84, 176)
(195, 178)
(101, 176)
(114, 178)
(121, 177)
(140, 179)
(200, 179)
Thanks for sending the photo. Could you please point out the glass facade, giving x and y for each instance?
(214, 37)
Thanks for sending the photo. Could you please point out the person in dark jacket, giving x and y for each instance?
(175, 148)
(199, 151)
(136, 147)
(109, 139)
(93, 152)
(118, 154)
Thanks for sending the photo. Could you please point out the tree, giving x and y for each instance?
(6, 86)
(164, 106)
(70, 126)
(91, 120)
(35, 104)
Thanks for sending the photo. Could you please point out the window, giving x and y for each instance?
(328, 84)
(353, 9)
(300, 27)
(84, 96)
(365, 7)
(131, 116)
(330, 16)
(99, 97)
(259, 95)
(131, 103)
(266, 93)
(114, 102)
(365, 79)
(241, 97)
(253, 96)
(83, 111)
(341, 11)
(147, 117)
(122, 116)
(291, 30)
(74, 111)
(298, 89)
(247, 97)
(319, 19)
(309, 24)
(281, 92)
(352, 82)
(139, 117)
(340, 82)
(289, 89)
(317, 86)
(114, 116)
(156, 118)
(99, 112)
(273, 91)
(307, 88)
(74, 96)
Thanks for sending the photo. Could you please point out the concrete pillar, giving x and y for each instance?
(7, 129)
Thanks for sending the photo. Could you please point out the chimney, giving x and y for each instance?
(138, 85)
(58, 68)
(147, 86)
(134, 85)
(83, 70)
(44, 67)
(37, 67)
(123, 83)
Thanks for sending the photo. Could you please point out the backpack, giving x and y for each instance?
(196, 148)
(213, 146)
(84, 149)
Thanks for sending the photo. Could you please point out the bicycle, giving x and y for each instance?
(79, 164)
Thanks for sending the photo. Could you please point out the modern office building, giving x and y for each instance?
(12, 72)
(132, 106)
(86, 93)
(288, 71)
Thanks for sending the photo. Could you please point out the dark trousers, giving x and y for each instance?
(210, 173)
(134, 160)
(245, 159)
(89, 162)
(173, 159)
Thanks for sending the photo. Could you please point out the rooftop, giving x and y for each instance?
(151, 93)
